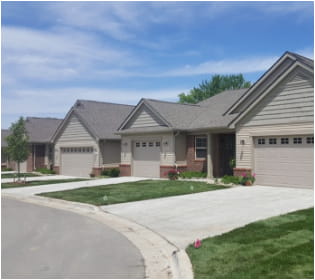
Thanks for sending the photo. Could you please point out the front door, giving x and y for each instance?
(226, 153)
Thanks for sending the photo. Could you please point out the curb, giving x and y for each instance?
(161, 258)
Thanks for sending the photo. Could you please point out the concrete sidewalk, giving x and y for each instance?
(27, 191)
(40, 178)
(183, 219)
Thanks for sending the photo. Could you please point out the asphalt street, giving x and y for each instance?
(43, 242)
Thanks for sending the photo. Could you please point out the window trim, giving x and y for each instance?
(200, 148)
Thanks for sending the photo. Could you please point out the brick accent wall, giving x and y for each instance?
(97, 171)
(56, 169)
(125, 169)
(192, 163)
(240, 171)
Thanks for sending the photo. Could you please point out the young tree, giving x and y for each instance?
(18, 148)
(217, 84)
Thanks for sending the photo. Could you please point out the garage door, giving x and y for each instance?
(146, 158)
(285, 161)
(77, 161)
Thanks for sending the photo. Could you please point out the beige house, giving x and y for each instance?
(85, 142)
(267, 128)
(40, 132)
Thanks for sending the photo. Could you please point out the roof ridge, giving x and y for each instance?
(299, 55)
(46, 118)
(104, 102)
(171, 102)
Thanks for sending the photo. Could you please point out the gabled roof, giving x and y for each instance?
(39, 130)
(272, 77)
(101, 119)
(177, 116)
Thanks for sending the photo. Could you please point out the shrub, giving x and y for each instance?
(6, 169)
(172, 174)
(192, 174)
(248, 178)
(113, 172)
(105, 172)
(45, 171)
(227, 179)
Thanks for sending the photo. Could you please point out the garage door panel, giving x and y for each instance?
(146, 158)
(284, 164)
(75, 163)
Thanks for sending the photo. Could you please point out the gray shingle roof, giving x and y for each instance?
(205, 114)
(41, 130)
(102, 118)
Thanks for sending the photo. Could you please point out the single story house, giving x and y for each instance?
(267, 128)
(85, 142)
(40, 132)
(4, 156)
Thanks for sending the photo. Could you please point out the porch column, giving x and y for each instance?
(46, 159)
(209, 156)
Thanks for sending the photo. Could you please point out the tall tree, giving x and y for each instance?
(18, 147)
(215, 85)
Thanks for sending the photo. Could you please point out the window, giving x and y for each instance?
(284, 140)
(272, 141)
(201, 147)
(310, 140)
(297, 140)
(137, 144)
(157, 144)
(261, 141)
(150, 144)
(144, 144)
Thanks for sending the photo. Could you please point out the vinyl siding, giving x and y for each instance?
(291, 101)
(75, 132)
(110, 151)
(75, 135)
(245, 153)
(263, 86)
(167, 156)
(144, 118)
(180, 148)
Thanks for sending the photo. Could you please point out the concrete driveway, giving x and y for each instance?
(183, 219)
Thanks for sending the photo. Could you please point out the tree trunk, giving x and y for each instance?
(18, 167)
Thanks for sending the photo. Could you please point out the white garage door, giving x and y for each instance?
(146, 158)
(77, 161)
(285, 161)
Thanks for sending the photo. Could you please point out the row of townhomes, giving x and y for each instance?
(267, 128)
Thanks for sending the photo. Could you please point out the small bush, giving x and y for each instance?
(45, 171)
(113, 172)
(192, 174)
(6, 169)
(227, 179)
(172, 174)
(105, 172)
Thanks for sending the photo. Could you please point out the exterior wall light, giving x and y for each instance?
(242, 142)
(165, 143)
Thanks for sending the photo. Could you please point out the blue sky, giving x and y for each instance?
(56, 52)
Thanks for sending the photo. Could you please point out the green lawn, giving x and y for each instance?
(279, 247)
(12, 175)
(126, 192)
(38, 183)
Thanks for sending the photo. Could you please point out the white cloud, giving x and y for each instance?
(226, 66)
